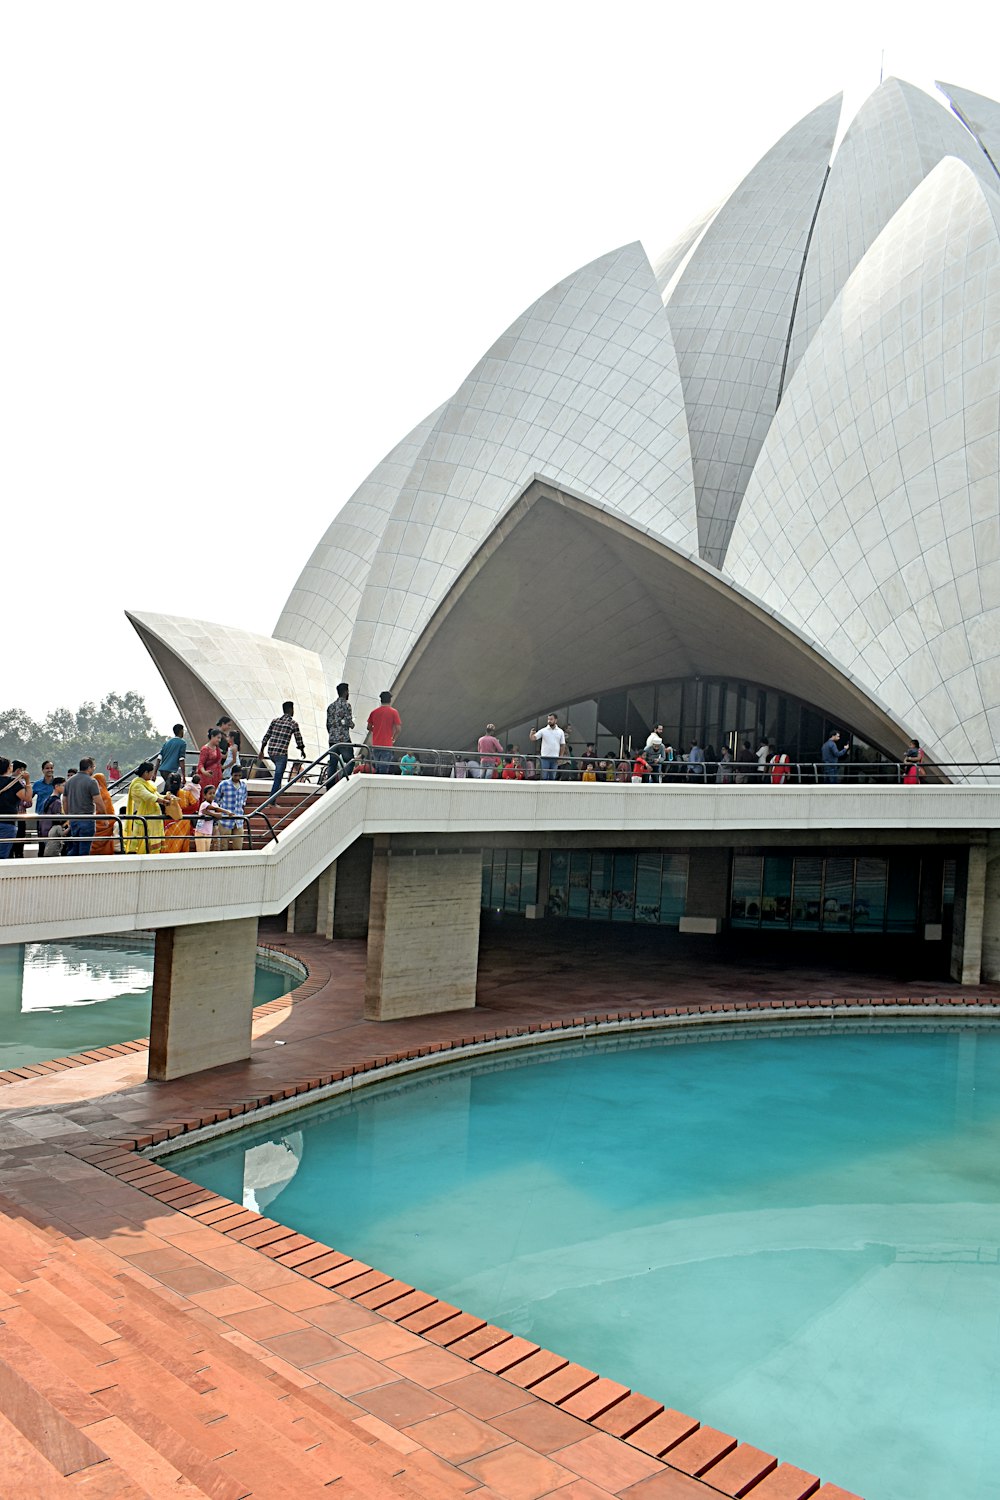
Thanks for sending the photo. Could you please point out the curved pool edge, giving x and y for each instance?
(280, 957)
(675, 1439)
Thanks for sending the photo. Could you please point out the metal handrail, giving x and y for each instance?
(119, 820)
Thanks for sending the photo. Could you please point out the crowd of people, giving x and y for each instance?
(169, 807)
(176, 804)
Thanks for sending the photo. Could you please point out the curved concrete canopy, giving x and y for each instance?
(564, 601)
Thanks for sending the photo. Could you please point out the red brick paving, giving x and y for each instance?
(154, 1337)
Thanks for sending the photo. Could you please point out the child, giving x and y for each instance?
(208, 815)
(640, 768)
(589, 773)
(512, 770)
(409, 765)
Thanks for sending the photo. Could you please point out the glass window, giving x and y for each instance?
(499, 877)
(529, 877)
(673, 888)
(903, 905)
(639, 719)
(869, 895)
(838, 895)
(582, 721)
(600, 886)
(776, 899)
(948, 884)
(668, 710)
(558, 882)
(611, 715)
(512, 887)
(623, 888)
(487, 878)
(806, 894)
(647, 887)
(579, 883)
(744, 907)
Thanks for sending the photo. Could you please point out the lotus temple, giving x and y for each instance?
(748, 483)
(533, 1139)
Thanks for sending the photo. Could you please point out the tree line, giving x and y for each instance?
(118, 728)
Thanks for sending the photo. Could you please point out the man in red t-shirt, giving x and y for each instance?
(384, 725)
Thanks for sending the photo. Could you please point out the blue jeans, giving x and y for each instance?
(81, 836)
(280, 762)
(7, 831)
(550, 764)
(382, 756)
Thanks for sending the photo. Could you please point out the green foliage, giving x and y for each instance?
(118, 728)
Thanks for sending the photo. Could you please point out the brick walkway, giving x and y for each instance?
(146, 1349)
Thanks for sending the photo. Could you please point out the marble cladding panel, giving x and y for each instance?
(249, 676)
(897, 137)
(584, 389)
(730, 311)
(322, 607)
(872, 522)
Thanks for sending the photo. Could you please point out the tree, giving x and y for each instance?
(118, 728)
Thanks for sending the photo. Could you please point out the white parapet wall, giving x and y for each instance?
(122, 893)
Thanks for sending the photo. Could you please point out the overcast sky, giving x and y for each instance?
(246, 247)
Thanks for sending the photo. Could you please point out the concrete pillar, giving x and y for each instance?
(991, 921)
(423, 936)
(203, 981)
(970, 900)
(352, 891)
(705, 905)
(303, 911)
(326, 897)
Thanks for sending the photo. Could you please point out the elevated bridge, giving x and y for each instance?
(399, 860)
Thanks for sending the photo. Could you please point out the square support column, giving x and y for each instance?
(203, 982)
(351, 893)
(423, 934)
(303, 911)
(707, 890)
(991, 920)
(970, 907)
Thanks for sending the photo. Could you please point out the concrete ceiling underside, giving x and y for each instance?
(564, 601)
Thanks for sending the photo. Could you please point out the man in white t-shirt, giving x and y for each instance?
(553, 743)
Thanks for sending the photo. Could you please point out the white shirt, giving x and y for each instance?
(552, 741)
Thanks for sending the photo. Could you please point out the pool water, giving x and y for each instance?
(63, 997)
(794, 1237)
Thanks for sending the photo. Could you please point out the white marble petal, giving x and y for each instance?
(981, 115)
(897, 137)
(321, 609)
(730, 310)
(213, 669)
(872, 521)
(582, 389)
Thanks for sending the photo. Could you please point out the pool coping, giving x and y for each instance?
(301, 991)
(674, 1438)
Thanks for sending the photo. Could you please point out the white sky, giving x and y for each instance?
(246, 247)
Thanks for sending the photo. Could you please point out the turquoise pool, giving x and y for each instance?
(58, 998)
(794, 1237)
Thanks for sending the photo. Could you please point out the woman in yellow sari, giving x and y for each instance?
(143, 802)
(105, 840)
(180, 801)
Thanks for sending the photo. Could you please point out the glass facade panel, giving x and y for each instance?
(639, 720)
(869, 895)
(600, 886)
(776, 898)
(673, 888)
(581, 723)
(623, 888)
(904, 893)
(558, 882)
(838, 895)
(807, 894)
(647, 887)
(744, 908)
(579, 884)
